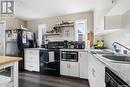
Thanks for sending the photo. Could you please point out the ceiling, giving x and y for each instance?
(35, 9)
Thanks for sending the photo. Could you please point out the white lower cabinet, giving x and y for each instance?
(83, 65)
(91, 76)
(32, 60)
(69, 68)
(96, 72)
(76, 69)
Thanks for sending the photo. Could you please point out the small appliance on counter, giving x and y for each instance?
(71, 44)
(80, 45)
(99, 45)
(65, 44)
(74, 44)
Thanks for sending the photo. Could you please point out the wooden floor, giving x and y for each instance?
(28, 79)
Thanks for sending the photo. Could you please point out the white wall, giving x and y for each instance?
(12, 22)
(50, 23)
(122, 36)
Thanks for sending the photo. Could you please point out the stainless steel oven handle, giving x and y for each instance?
(73, 53)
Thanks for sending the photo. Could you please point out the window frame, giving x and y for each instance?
(86, 29)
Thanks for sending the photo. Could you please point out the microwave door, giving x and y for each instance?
(69, 56)
(63, 55)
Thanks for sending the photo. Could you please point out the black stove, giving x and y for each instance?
(50, 59)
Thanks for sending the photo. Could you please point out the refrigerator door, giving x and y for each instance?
(11, 46)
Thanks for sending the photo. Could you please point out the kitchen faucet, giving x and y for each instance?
(118, 50)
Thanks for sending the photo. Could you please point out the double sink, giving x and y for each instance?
(113, 56)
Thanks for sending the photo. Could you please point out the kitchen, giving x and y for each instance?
(79, 43)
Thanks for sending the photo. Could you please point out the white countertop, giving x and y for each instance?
(35, 49)
(120, 69)
(81, 50)
(60, 49)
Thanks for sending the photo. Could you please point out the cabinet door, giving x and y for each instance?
(92, 80)
(64, 68)
(96, 72)
(100, 79)
(91, 71)
(113, 22)
(83, 65)
(73, 69)
(99, 73)
(126, 20)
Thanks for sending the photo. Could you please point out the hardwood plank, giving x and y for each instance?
(29, 79)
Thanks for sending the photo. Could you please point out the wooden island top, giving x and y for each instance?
(8, 59)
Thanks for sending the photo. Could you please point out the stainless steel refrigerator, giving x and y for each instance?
(15, 43)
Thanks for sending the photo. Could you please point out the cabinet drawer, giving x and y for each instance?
(28, 67)
(32, 51)
(32, 66)
(31, 54)
(35, 63)
(32, 58)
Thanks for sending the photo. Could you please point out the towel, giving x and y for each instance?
(51, 57)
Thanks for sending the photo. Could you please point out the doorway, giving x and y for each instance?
(2, 37)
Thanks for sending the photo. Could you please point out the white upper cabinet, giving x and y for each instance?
(113, 22)
(126, 20)
(99, 14)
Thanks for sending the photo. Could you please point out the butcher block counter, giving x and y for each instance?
(7, 61)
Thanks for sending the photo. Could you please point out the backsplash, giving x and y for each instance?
(121, 36)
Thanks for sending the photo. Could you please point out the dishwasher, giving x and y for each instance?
(112, 80)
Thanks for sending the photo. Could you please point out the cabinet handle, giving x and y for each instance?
(68, 65)
(93, 72)
(80, 55)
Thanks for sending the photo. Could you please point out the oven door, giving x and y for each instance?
(69, 56)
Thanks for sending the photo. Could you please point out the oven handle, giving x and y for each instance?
(68, 53)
